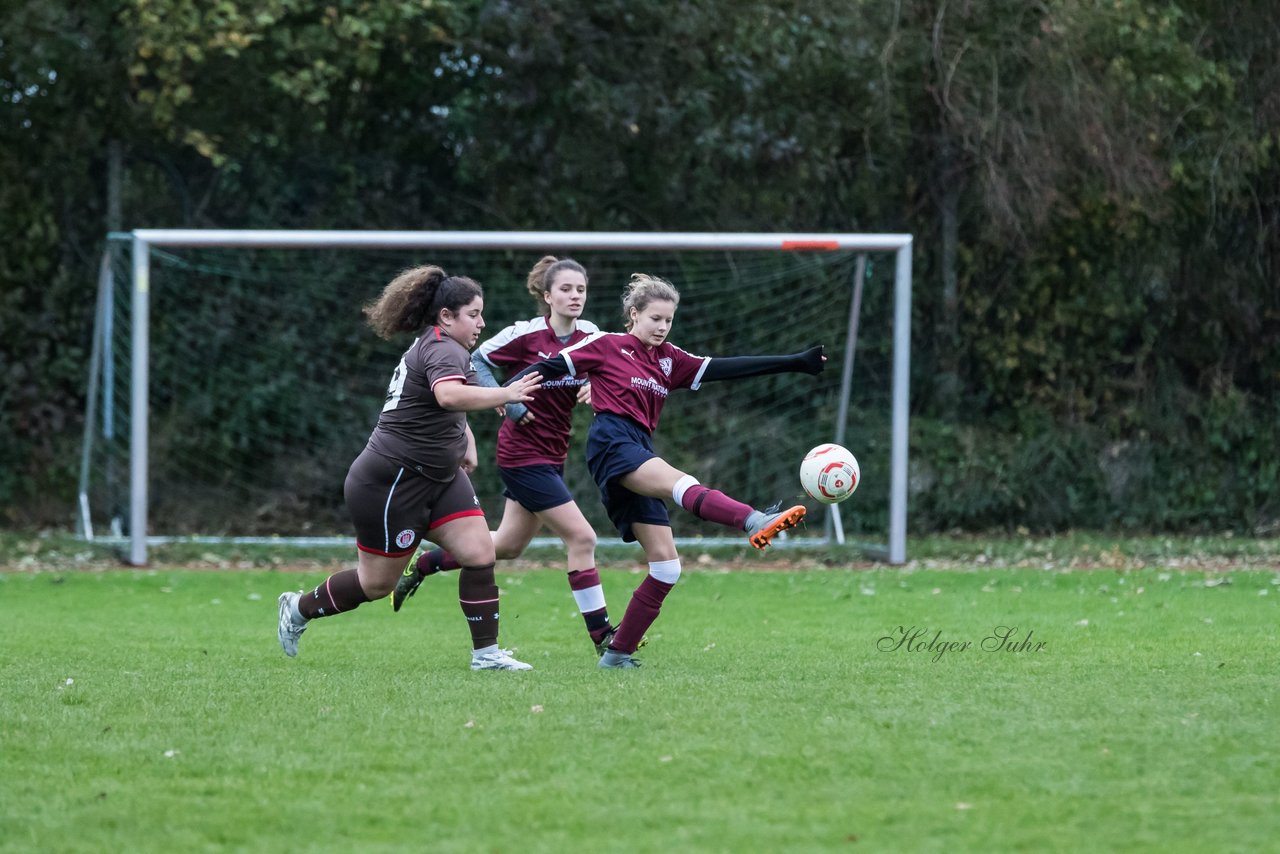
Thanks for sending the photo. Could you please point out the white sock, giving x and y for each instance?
(681, 487)
(589, 599)
(666, 571)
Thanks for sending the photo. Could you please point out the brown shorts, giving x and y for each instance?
(393, 506)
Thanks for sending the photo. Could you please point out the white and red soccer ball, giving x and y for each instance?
(829, 473)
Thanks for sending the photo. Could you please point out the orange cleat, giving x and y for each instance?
(775, 523)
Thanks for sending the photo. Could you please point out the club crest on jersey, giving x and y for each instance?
(404, 539)
(665, 364)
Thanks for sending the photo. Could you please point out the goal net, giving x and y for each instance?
(234, 378)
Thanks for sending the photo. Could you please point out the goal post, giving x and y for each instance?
(145, 243)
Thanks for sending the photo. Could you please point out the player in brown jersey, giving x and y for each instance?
(411, 478)
(632, 374)
(533, 444)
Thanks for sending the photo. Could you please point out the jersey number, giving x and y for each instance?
(396, 388)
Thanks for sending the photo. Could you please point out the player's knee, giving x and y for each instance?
(666, 571)
(581, 540)
(477, 553)
(379, 587)
(507, 551)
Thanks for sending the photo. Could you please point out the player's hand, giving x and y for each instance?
(584, 394)
(815, 358)
(519, 413)
(521, 391)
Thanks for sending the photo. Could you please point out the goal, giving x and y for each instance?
(233, 378)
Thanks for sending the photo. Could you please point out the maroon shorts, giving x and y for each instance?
(393, 506)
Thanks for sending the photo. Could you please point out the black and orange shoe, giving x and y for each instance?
(772, 522)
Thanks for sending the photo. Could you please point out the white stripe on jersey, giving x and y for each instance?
(697, 380)
(446, 379)
(567, 352)
(521, 328)
(511, 333)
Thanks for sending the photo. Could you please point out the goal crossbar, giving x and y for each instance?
(144, 239)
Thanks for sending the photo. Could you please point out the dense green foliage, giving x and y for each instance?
(1094, 188)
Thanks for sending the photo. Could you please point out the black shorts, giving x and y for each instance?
(617, 446)
(535, 488)
(393, 506)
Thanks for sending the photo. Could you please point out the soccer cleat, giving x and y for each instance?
(500, 660)
(603, 646)
(775, 521)
(289, 631)
(407, 585)
(617, 660)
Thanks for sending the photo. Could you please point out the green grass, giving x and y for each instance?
(766, 717)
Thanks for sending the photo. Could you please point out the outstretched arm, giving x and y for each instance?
(738, 367)
(556, 366)
(485, 377)
(457, 396)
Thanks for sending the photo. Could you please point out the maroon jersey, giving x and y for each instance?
(413, 429)
(546, 440)
(630, 378)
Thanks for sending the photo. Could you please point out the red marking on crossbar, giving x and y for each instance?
(825, 245)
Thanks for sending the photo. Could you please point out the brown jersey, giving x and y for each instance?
(413, 429)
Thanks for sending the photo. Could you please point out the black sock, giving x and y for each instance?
(597, 623)
(339, 593)
(478, 596)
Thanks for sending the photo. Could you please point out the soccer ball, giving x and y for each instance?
(829, 473)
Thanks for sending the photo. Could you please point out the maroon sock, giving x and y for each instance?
(714, 506)
(340, 592)
(642, 610)
(597, 619)
(436, 560)
(478, 596)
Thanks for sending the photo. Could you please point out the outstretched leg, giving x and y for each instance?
(657, 478)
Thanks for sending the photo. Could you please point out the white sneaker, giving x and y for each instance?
(289, 631)
(500, 660)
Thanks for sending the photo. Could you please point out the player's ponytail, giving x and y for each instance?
(414, 299)
(643, 290)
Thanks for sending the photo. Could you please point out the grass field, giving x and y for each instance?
(777, 710)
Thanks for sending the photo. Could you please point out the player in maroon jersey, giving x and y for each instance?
(411, 478)
(533, 443)
(632, 374)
